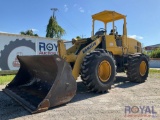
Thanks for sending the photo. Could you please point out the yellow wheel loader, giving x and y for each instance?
(43, 82)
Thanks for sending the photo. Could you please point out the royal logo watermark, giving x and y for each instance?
(140, 111)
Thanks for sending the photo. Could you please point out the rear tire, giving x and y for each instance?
(94, 71)
(138, 68)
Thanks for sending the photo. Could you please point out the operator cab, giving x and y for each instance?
(118, 38)
(101, 31)
(107, 17)
(114, 32)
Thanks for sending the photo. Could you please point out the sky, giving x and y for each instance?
(74, 16)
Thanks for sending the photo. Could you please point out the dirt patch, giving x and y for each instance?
(87, 105)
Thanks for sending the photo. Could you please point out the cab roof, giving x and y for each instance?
(107, 16)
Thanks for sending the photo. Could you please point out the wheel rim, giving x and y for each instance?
(104, 71)
(143, 68)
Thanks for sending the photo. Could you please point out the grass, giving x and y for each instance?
(7, 78)
(154, 71)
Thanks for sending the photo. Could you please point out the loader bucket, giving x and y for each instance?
(42, 82)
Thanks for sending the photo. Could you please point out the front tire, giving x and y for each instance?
(98, 71)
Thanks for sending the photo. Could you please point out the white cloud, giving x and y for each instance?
(3, 32)
(135, 37)
(34, 30)
(81, 10)
(66, 8)
(8, 32)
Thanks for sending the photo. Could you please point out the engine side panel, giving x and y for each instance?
(133, 46)
(112, 46)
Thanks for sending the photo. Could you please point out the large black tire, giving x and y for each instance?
(90, 71)
(133, 69)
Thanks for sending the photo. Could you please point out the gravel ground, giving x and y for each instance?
(86, 105)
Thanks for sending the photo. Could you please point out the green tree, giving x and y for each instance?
(28, 32)
(155, 53)
(53, 29)
(78, 37)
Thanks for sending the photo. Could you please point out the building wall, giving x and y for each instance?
(12, 45)
(152, 47)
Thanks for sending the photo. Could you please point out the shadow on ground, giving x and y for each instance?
(123, 82)
(83, 93)
(10, 109)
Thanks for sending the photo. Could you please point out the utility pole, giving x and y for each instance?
(54, 10)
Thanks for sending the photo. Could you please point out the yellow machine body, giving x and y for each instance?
(128, 45)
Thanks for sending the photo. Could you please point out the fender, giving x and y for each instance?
(82, 54)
